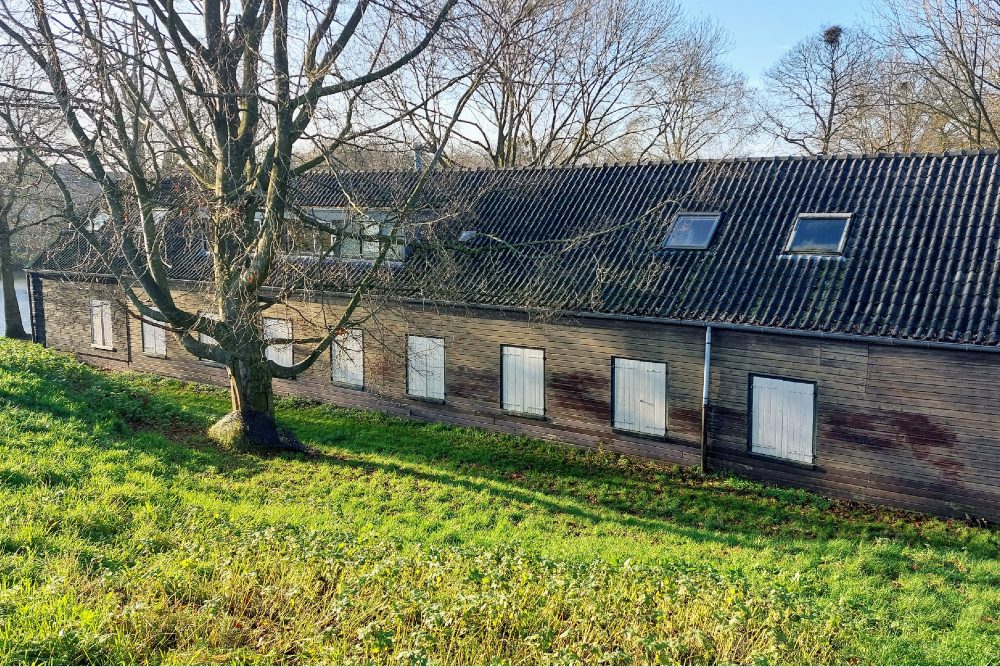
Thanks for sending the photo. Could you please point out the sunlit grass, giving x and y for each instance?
(126, 537)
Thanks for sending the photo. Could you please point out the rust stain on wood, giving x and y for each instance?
(925, 439)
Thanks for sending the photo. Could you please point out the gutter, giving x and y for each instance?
(727, 326)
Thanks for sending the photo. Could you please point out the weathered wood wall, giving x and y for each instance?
(916, 428)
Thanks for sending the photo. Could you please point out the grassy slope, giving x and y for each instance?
(124, 537)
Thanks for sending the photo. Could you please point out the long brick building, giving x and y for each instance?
(829, 323)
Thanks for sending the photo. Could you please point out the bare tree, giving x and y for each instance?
(697, 103)
(952, 48)
(817, 90)
(898, 113)
(30, 203)
(565, 84)
(226, 93)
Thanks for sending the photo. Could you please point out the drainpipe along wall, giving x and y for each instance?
(704, 399)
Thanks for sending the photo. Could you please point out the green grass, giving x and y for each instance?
(125, 537)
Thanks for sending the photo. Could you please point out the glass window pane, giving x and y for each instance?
(691, 231)
(818, 235)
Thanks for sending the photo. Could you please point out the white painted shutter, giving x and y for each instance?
(640, 400)
(783, 419)
(425, 367)
(101, 333)
(96, 328)
(154, 339)
(109, 337)
(523, 371)
(349, 358)
(206, 339)
(278, 328)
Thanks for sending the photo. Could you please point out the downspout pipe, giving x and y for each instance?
(704, 399)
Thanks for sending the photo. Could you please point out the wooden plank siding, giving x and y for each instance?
(911, 427)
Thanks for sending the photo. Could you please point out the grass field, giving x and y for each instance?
(126, 537)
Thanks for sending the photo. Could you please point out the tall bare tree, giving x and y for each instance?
(30, 203)
(226, 92)
(566, 83)
(952, 48)
(817, 90)
(697, 103)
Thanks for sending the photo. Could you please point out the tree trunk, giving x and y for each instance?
(14, 327)
(251, 425)
(250, 385)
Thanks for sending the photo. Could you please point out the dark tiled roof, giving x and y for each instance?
(921, 260)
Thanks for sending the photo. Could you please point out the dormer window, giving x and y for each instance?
(360, 235)
(691, 231)
(819, 234)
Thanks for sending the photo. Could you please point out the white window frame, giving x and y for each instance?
(522, 380)
(283, 354)
(716, 215)
(846, 217)
(422, 380)
(639, 396)
(154, 339)
(782, 422)
(347, 362)
(102, 337)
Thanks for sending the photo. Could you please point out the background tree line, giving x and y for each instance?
(585, 81)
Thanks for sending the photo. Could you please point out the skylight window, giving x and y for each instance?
(691, 231)
(819, 234)
(467, 235)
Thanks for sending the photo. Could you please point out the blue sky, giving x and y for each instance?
(762, 30)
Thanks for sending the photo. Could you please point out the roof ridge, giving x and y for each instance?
(639, 163)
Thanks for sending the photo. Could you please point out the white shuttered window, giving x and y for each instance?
(425, 367)
(640, 397)
(523, 380)
(783, 423)
(208, 340)
(154, 339)
(100, 324)
(275, 328)
(349, 358)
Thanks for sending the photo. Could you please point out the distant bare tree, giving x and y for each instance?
(698, 103)
(29, 201)
(897, 114)
(566, 83)
(817, 91)
(952, 48)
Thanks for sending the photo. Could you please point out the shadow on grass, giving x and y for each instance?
(593, 487)
(112, 408)
(596, 486)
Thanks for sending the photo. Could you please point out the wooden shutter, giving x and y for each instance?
(208, 340)
(640, 396)
(278, 328)
(523, 380)
(349, 358)
(96, 328)
(783, 421)
(101, 333)
(154, 339)
(425, 367)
